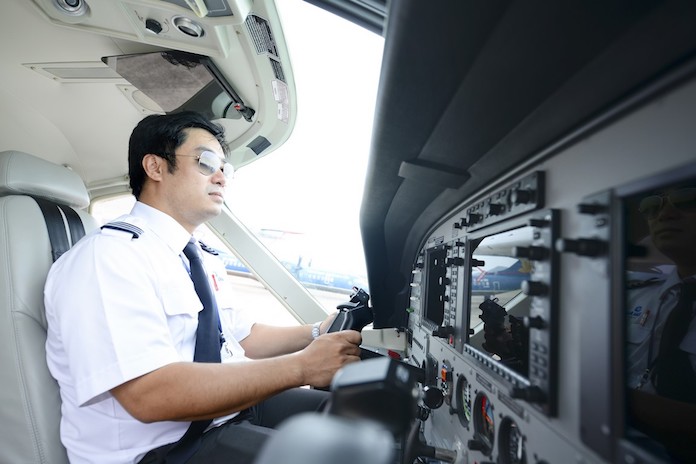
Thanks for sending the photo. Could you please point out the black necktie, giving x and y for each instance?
(207, 349)
(674, 376)
(208, 333)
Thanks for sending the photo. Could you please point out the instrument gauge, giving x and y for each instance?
(511, 443)
(462, 400)
(484, 422)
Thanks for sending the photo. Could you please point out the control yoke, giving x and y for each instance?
(355, 314)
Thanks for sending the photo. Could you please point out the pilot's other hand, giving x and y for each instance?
(327, 354)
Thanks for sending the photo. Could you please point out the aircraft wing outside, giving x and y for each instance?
(312, 278)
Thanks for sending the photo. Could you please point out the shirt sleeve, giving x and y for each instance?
(115, 320)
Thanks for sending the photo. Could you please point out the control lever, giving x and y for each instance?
(381, 389)
(492, 314)
(511, 345)
(353, 315)
(493, 317)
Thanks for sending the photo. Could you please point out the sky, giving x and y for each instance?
(313, 184)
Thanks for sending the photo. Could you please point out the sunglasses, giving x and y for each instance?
(683, 200)
(209, 163)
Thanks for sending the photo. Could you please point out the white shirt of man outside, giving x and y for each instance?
(648, 309)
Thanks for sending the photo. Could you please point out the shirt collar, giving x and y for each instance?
(163, 225)
(672, 282)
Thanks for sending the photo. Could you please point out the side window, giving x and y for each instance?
(303, 200)
(110, 208)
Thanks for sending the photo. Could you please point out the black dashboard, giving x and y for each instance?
(513, 142)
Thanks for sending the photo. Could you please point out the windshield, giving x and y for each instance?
(303, 200)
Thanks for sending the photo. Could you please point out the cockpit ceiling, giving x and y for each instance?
(76, 92)
(471, 90)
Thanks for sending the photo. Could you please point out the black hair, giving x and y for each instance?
(161, 135)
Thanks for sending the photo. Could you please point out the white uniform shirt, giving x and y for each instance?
(648, 309)
(117, 308)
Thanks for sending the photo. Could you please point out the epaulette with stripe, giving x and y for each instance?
(210, 250)
(123, 226)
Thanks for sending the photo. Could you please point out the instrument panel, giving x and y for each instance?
(515, 297)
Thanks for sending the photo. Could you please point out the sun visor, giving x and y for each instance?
(178, 81)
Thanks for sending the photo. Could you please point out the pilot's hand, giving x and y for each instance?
(326, 323)
(329, 353)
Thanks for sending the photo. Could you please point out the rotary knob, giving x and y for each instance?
(433, 397)
(521, 196)
(478, 445)
(591, 208)
(535, 322)
(581, 246)
(495, 209)
(535, 253)
(443, 331)
(534, 288)
(473, 218)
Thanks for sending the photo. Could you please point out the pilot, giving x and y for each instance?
(661, 332)
(671, 219)
(151, 368)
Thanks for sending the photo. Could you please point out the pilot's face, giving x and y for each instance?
(194, 197)
(672, 224)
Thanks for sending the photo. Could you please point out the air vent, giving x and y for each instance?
(259, 144)
(278, 70)
(72, 7)
(81, 71)
(188, 26)
(262, 35)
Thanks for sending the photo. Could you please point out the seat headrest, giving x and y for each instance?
(24, 174)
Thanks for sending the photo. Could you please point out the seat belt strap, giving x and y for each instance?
(77, 229)
(55, 225)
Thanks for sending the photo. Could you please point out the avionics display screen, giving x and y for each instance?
(498, 306)
(435, 262)
(659, 236)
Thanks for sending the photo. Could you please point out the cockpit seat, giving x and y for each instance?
(29, 396)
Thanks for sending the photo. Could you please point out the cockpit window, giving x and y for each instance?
(303, 200)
